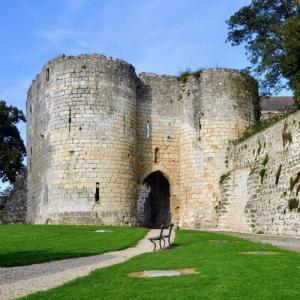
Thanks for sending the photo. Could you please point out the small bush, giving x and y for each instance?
(286, 135)
(184, 75)
(224, 177)
(251, 130)
(293, 203)
(262, 175)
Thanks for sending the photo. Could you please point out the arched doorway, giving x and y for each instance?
(154, 201)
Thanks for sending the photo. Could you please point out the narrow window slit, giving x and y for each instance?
(199, 133)
(156, 155)
(47, 74)
(70, 120)
(97, 195)
(124, 120)
(169, 132)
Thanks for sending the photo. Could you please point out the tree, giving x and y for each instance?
(291, 63)
(12, 149)
(266, 28)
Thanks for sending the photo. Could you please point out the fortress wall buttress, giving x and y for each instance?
(82, 117)
(216, 108)
(158, 131)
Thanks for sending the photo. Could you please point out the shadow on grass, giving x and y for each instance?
(24, 258)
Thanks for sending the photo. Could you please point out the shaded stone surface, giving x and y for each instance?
(163, 273)
(156, 201)
(13, 206)
(160, 273)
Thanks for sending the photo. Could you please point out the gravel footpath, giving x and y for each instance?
(20, 281)
(291, 243)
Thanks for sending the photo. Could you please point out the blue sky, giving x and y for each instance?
(163, 36)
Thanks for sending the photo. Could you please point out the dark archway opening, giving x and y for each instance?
(156, 210)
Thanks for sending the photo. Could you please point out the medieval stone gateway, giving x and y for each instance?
(94, 123)
(109, 146)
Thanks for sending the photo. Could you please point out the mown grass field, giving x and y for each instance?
(29, 244)
(224, 273)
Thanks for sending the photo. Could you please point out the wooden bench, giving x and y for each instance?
(162, 236)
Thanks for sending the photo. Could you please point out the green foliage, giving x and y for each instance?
(253, 129)
(184, 75)
(262, 175)
(256, 100)
(286, 135)
(293, 203)
(12, 148)
(224, 177)
(30, 244)
(291, 61)
(224, 273)
(267, 28)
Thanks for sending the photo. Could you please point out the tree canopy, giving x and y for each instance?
(12, 148)
(269, 29)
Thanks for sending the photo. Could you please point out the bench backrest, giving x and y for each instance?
(164, 227)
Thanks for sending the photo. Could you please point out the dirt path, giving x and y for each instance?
(20, 281)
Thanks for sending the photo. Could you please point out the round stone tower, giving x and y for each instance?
(217, 106)
(82, 142)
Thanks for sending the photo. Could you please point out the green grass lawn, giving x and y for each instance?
(29, 244)
(224, 273)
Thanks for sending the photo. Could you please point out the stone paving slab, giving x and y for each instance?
(163, 273)
(20, 281)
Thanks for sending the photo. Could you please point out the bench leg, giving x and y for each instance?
(154, 245)
(162, 247)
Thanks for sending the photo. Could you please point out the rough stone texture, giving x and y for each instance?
(14, 204)
(91, 120)
(216, 108)
(264, 176)
(81, 130)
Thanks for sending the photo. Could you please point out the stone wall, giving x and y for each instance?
(216, 108)
(96, 128)
(13, 205)
(159, 104)
(81, 134)
(262, 178)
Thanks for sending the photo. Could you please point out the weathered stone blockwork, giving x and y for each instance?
(13, 204)
(264, 175)
(96, 128)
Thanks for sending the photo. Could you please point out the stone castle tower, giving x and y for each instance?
(107, 146)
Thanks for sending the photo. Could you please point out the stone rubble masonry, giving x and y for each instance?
(264, 175)
(92, 120)
(14, 204)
